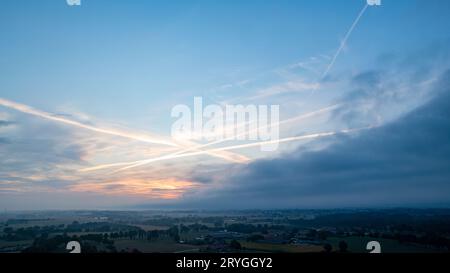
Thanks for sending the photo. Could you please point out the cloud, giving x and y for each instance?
(286, 87)
(4, 140)
(402, 163)
(64, 120)
(398, 83)
(38, 156)
(4, 123)
(152, 189)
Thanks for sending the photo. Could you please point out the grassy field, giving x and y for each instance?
(358, 245)
(148, 247)
(4, 244)
(15, 246)
(152, 227)
(280, 248)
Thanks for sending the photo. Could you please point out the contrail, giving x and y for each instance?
(31, 111)
(42, 114)
(237, 158)
(344, 41)
(199, 147)
(235, 147)
(242, 146)
(297, 118)
(338, 51)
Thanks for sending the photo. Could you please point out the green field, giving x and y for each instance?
(265, 247)
(358, 244)
(4, 244)
(149, 247)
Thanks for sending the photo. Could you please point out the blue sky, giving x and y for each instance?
(125, 64)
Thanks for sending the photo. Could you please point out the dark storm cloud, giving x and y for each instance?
(362, 104)
(405, 162)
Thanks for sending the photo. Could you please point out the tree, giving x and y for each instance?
(343, 247)
(235, 245)
(254, 238)
(184, 229)
(327, 248)
(8, 230)
(176, 237)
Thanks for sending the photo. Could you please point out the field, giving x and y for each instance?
(265, 247)
(15, 246)
(357, 244)
(149, 247)
(291, 231)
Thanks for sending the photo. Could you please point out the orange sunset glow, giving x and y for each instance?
(160, 189)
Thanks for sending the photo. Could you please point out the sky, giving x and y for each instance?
(86, 94)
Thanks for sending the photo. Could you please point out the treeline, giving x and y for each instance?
(30, 233)
(91, 243)
(392, 220)
(250, 228)
(172, 221)
(95, 243)
(430, 239)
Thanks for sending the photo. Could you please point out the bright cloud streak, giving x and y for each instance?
(31, 111)
(174, 155)
(287, 121)
(236, 158)
(235, 147)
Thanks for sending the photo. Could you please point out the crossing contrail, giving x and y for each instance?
(131, 165)
(119, 133)
(294, 119)
(344, 42)
(114, 132)
(199, 147)
(242, 146)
